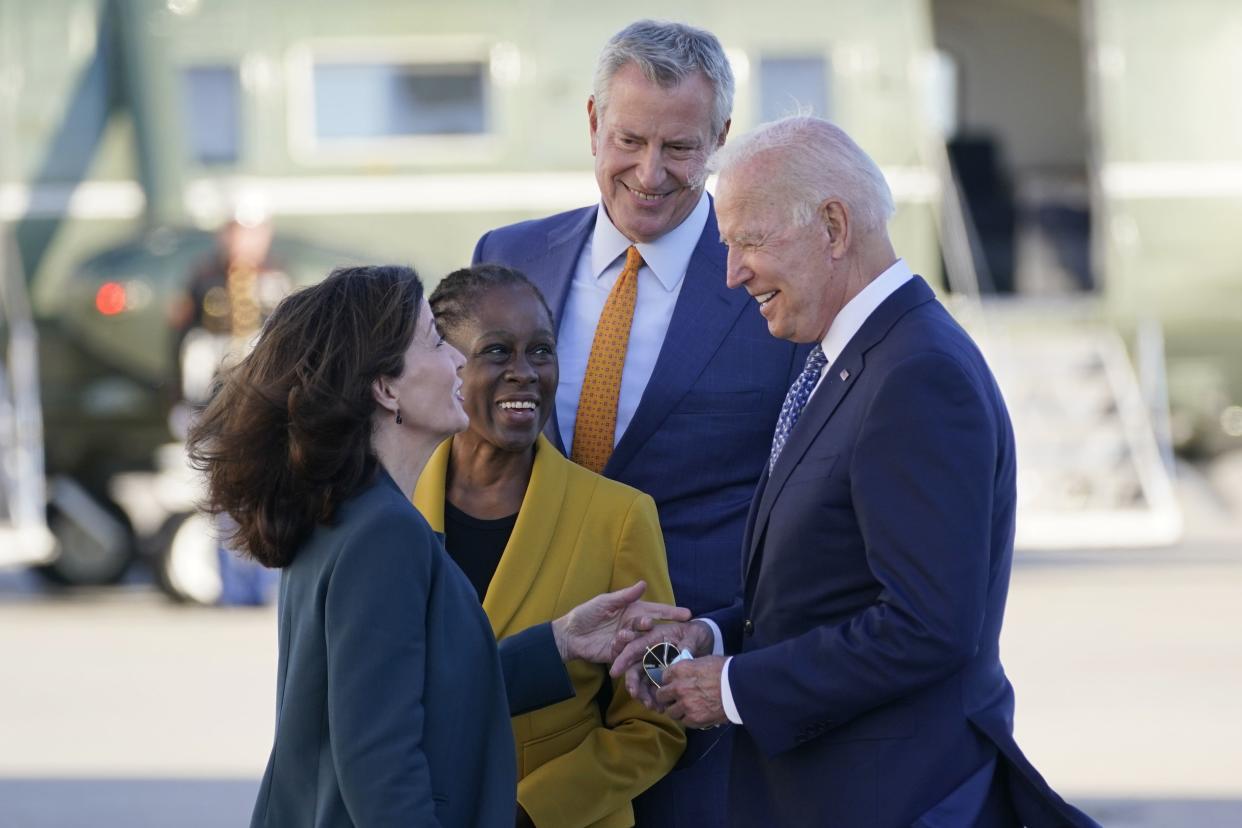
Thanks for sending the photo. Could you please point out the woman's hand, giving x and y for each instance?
(588, 630)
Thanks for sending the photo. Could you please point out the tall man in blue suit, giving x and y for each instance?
(701, 382)
(867, 680)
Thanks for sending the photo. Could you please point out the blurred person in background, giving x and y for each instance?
(537, 534)
(669, 381)
(230, 293)
(391, 704)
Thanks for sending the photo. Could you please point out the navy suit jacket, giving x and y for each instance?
(875, 570)
(391, 706)
(703, 428)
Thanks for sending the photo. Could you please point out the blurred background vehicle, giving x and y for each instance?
(1068, 170)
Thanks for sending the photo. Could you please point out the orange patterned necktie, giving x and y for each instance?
(596, 427)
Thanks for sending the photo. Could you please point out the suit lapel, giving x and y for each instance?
(531, 538)
(532, 534)
(750, 536)
(706, 310)
(827, 397)
(554, 270)
(842, 375)
(553, 273)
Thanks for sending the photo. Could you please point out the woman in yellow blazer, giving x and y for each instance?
(537, 535)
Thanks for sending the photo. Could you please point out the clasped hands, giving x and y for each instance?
(617, 627)
(689, 691)
(590, 630)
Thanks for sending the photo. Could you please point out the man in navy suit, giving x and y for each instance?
(867, 680)
(702, 381)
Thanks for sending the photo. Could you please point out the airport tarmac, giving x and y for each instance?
(118, 708)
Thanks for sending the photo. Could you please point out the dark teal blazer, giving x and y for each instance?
(391, 707)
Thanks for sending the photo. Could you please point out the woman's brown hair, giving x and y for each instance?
(286, 436)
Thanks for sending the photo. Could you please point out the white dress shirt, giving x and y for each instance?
(659, 284)
(843, 328)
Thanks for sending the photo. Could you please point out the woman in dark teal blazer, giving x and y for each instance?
(391, 702)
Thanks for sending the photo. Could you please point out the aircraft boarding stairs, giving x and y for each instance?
(1094, 466)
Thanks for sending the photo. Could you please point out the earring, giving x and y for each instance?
(398, 416)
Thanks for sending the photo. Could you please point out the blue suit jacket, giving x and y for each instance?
(876, 566)
(391, 706)
(703, 428)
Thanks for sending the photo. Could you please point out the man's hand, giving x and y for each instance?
(589, 630)
(631, 644)
(691, 692)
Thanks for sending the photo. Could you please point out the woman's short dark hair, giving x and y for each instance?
(456, 297)
(286, 436)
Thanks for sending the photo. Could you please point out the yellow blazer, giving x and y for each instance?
(577, 534)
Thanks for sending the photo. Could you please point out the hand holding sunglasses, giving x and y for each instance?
(658, 657)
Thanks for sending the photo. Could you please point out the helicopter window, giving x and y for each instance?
(211, 98)
(393, 100)
(789, 84)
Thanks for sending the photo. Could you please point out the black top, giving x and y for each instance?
(475, 544)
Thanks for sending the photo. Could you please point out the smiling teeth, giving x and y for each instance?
(519, 406)
(645, 196)
(763, 298)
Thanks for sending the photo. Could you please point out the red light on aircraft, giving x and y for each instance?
(110, 298)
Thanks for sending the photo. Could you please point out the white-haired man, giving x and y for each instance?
(867, 682)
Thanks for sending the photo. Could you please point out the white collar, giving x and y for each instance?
(851, 318)
(667, 257)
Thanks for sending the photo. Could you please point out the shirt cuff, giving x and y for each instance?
(717, 638)
(726, 695)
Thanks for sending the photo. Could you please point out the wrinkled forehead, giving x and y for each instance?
(688, 102)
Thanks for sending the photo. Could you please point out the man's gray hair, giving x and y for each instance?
(667, 54)
(813, 160)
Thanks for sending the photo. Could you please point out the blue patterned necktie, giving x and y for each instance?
(795, 401)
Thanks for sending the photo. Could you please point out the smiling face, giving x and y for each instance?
(789, 270)
(509, 382)
(428, 389)
(650, 146)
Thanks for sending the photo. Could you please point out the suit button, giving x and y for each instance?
(748, 628)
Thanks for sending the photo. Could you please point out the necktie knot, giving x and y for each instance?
(815, 360)
(795, 401)
(633, 261)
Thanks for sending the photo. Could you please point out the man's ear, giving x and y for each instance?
(835, 219)
(724, 133)
(593, 123)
